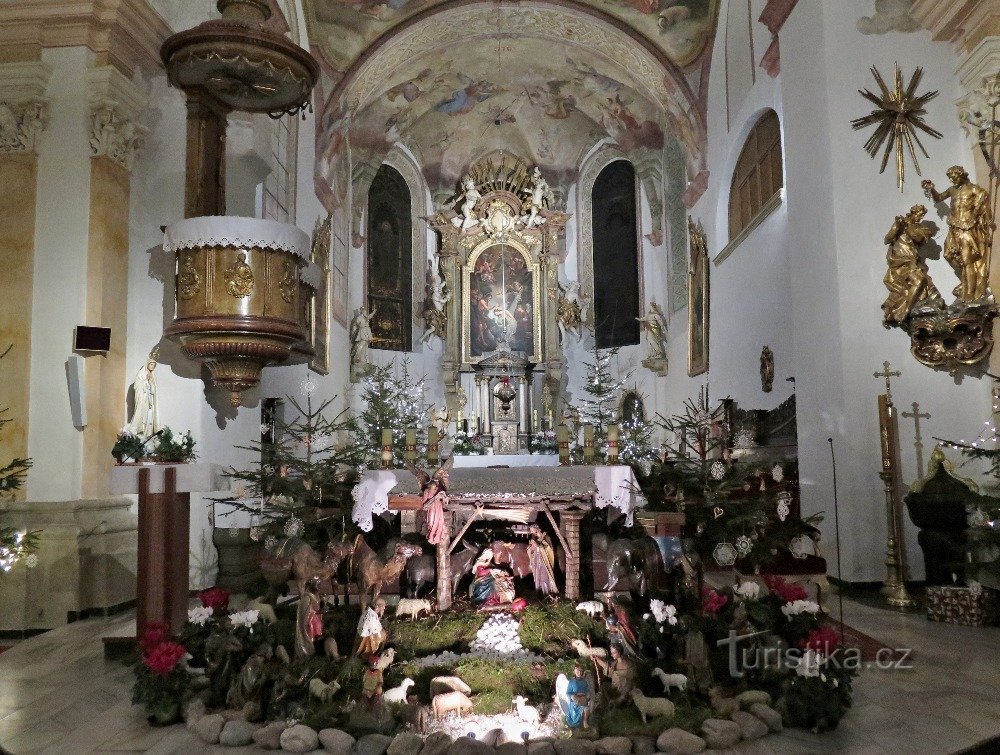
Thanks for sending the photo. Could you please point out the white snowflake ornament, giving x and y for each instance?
(724, 554)
(744, 545)
(784, 509)
(977, 518)
(801, 546)
(777, 473)
(717, 470)
(270, 542)
(293, 527)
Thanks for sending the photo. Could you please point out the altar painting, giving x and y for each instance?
(501, 303)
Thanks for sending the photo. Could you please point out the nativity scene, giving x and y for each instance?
(557, 376)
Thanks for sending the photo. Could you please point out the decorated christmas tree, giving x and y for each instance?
(393, 400)
(732, 512)
(302, 486)
(15, 544)
(636, 444)
(601, 407)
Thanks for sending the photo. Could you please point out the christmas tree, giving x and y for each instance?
(731, 512)
(302, 486)
(392, 401)
(14, 544)
(604, 391)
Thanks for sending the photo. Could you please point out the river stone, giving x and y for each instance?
(768, 715)
(406, 744)
(269, 737)
(751, 696)
(336, 741)
(372, 744)
(720, 734)
(574, 747)
(207, 728)
(541, 748)
(676, 741)
(751, 727)
(237, 733)
(643, 745)
(299, 738)
(511, 748)
(193, 711)
(436, 744)
(468, 746)
(614, 746)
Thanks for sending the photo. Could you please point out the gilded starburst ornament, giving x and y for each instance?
(897, 117)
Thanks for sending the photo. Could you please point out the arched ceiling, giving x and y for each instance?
(545, 79)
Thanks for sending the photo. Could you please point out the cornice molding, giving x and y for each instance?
(965, 23)
(124, 33)
(24, 109)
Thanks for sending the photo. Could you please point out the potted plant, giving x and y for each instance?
(162, 682)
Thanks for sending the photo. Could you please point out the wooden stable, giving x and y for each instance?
(563, 513)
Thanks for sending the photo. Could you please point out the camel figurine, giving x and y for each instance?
(304, 562)
(368, 571)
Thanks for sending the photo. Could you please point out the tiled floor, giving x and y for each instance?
(59, 695)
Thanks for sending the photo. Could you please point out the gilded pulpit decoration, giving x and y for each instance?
(239, 278)
(287, 283)
(897, 117)
(944, 335)
(698, 300)
(766, 369)
(188, 279)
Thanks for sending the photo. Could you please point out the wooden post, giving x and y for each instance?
(569, 525)
(444, 566)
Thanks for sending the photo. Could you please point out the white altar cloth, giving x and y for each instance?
(507, 460)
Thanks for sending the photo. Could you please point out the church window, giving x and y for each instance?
(758, 176)
(390, 261)
(616, 256)
(279, 185)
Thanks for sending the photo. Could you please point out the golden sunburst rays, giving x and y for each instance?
(897, 116)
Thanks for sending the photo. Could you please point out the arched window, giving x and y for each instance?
(758, 176)
(616, 256)
(390, 261)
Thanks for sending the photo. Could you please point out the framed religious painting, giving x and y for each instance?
(698, 300)
(318, 315)
(500, 304)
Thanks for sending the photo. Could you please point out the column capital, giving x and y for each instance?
(24, 109)
(115, 106)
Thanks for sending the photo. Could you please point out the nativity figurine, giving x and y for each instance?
(434, 493)
(542, 557)
(308, 620)
(371, 635)
(575, 697)
(490, 586)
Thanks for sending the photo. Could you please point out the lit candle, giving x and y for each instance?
(411, 444)
(612, 444)
(387, 448)
(562, 437)
(588, 443)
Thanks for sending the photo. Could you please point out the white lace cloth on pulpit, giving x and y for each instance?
(618, 488)
(371, 496)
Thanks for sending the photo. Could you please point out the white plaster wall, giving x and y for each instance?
(60, 272)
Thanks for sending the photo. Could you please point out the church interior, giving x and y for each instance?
(460, 376)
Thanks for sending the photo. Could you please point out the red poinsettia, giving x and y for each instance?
(823, 640)
(784, 590)
(215, 598)
(712, 601)
(156, 633)
(163, 658)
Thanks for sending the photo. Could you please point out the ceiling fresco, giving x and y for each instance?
(546, 80)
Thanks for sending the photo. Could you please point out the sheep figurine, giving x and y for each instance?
(670, 680)
(385, 660)
(412, 607)
(264, 610)
(652, 707)
(398, 694)
(448, 702)
(525, 712)
(591, 607)
(723, 706)
(449, 684)
(321, 690)
(586, 651)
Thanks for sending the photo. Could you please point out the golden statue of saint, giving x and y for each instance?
(907, 279)
(970, 232)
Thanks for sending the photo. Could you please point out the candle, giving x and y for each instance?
(562, 437)
(433, 438)
(534, 419)
(411, 444)
(588, 443)
(387, 448)
(612, 444)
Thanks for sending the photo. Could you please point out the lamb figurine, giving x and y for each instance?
(412, 607)
(398, 694)
(321, 690)
(652, 707)
(585, 651)
(670, 680)
(525, 712)
(386, 659)
(591, 607)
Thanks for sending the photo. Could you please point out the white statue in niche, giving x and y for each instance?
(469, 196)
(655, 323)
(539, 194)
(361, 338)
(438, 296)
(145, 419)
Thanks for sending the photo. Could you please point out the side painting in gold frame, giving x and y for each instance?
(698, 300)
(320, 319)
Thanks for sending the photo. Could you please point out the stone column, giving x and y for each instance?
(26, 112)
(569, 525)
(522, 411)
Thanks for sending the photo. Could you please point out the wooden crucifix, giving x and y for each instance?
(918, 443)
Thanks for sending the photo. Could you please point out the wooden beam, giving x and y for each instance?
(465, 528)
(559, 534)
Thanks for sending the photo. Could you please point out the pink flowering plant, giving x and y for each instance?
(163, 682)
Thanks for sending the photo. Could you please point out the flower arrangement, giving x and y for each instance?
(162, 679)
(544, 442)
(468, 444)
(165, 447)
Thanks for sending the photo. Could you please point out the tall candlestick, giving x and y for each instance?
(612, 443)
(534, 420)
(562, 437)
(411, 445)
(387, 448)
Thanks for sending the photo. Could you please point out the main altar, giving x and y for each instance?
(500, 247)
